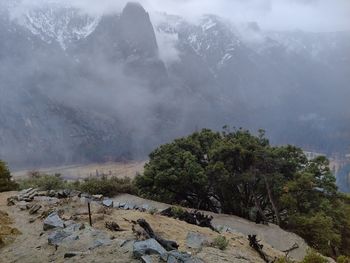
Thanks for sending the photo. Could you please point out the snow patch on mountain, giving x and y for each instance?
(225, 58)
(57, 23)
(208, 24)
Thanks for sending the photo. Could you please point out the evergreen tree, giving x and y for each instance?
(6, 183)
(235, 172)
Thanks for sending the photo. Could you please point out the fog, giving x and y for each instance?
(92, 84)
(308, 15)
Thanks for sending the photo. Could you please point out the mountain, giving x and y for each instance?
(79, 87)
(294, 84)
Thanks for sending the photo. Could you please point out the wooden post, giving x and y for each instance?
(90, 221)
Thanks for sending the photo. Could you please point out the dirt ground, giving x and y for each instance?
(31, 246)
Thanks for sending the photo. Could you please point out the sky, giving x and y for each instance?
(307, 15)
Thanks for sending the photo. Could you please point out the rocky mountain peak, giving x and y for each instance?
(137, 30)
(134, 7)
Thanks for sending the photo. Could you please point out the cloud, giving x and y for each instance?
(308, 15)
(168, 51)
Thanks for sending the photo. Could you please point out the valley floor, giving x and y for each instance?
(80, 171)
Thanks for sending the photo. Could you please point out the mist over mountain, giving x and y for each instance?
(76, 86)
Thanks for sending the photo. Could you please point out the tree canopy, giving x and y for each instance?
(238, 173)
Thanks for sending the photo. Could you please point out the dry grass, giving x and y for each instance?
(7, 233)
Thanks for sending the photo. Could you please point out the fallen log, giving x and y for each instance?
(294, 247)
(169, 245)
(254, 243)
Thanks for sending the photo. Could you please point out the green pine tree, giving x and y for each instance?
(6, 183)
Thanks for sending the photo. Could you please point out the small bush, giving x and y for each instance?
(220, 242)
(107, 186)
(43, 181)
(313, 257)
(104, 185)
(343, 259)
(178, 211)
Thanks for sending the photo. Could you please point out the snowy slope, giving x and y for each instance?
(57, 22)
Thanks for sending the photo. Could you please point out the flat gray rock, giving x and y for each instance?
(172, 259)
(73, 227)
(176, 256)
(129, 206)
(195, 240)
(99, 243)
(56, 237)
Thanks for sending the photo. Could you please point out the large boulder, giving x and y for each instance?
(53, 221)
(147, 247)
(147, 259)
(56, 237)
(178, 257)
(107, 202)
(100, 242)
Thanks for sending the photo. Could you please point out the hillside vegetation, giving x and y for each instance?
(238, 173)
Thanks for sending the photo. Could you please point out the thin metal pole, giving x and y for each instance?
(90, 221)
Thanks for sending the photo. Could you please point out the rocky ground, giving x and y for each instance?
(270, 234)
(54, 227)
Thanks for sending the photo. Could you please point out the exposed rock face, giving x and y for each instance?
(137, 31)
